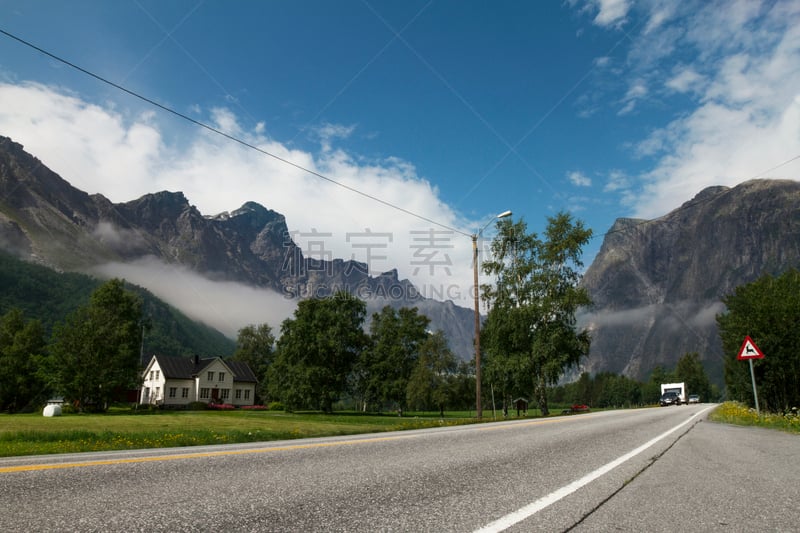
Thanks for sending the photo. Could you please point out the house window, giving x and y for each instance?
(204, 393)
(151, 375)
(147, 394)
(225, 394)
(222, 376)
(158, 374)
(173, 392)
(158, 392)
(210, 376)
(238, 394)
(185, 392)
(247, 394)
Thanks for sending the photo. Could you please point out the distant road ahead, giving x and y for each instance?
(529, 475)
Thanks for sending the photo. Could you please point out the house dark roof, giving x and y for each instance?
(242, 371)
(175, 367)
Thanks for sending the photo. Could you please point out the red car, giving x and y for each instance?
(577, 408)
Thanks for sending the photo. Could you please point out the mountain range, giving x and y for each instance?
(45, 220)
(657, 285)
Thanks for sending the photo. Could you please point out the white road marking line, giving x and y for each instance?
(531, 509)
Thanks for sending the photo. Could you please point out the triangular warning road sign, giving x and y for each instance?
(749, 350)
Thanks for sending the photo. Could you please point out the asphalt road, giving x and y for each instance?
(660, 469)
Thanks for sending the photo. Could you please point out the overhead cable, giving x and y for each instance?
(229, 136)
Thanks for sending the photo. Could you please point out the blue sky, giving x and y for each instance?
(452, 110)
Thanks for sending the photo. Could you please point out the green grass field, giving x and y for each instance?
(33, 434)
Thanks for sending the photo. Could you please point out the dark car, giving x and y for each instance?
(670, 398)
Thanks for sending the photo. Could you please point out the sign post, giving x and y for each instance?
(750, 351)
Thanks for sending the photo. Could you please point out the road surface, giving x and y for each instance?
(604, 471)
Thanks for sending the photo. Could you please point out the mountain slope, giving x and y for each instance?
(657, 285)
(46, 220)
(48, 296)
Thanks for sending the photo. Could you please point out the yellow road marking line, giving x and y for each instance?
(195, 455)
(492, 427)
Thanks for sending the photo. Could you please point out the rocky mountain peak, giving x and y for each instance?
(657, 285)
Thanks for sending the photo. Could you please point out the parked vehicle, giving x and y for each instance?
(694, 398)
(670, 398)
(576, 408)
(677, 388)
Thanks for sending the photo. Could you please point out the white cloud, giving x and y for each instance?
(617, 181)
(579, 179)
(601, 62)
(611, 12)
(83, 142)
(685, 79)
(737, 62)
(328, 133)
(101, 150)
(748, 117)
(636, 92)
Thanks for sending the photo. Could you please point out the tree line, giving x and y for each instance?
(609, 390)
(325, 354)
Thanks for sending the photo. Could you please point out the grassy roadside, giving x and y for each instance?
(33, 434)
(121, 429)
(741, 415)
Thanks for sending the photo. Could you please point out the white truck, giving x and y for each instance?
(677, 388)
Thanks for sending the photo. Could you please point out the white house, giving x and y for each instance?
(174, 381)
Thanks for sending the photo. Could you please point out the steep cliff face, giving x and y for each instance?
(657, 285)
(44, 218)
(42, 215)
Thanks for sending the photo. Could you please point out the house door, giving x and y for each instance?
(215, 394)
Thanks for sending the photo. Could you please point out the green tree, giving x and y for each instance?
(651, 391)
(768, 310)
(530, 330)
(614, 390)
(22, 346)
(317, 351)
(94, 356)
(690, 371)
(255, 345)
(463, 397)
(385, 367)
(433, 379)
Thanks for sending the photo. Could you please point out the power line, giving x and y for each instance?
(229, 136)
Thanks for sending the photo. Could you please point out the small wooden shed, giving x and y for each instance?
(521, 405)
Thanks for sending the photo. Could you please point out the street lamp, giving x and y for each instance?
(478, 406)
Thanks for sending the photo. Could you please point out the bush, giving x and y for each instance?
(276, 406)
(197, 406)
(742, 415)
(221, 406)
